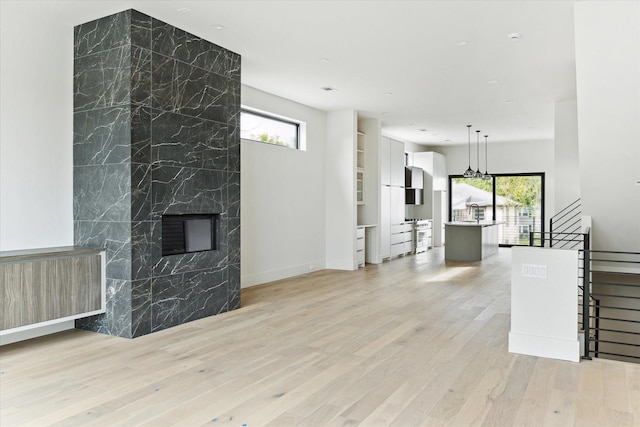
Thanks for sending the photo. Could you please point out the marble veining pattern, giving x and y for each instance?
(156, 119)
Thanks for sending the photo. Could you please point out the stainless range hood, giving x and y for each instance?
(413, 185)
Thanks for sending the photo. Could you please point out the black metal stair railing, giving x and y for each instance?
(566, 222)
(612, 280)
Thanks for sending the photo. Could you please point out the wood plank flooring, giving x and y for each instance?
(412, 342)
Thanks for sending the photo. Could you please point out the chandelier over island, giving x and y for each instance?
(469, 173)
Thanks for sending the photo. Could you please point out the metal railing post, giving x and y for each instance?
(551, 233)
(586, 293)
(531, 238)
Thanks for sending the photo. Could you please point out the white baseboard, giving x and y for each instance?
(552, 348)
(248, 280)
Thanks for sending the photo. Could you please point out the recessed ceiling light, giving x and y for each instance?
(324, 59)
(410, 124)
(509, 101)
(384, 113)
(513, 36)
(492, 82)
(183, 9)
(447, 140)
(328, 88)
(422, 130)
(219, 27)
(388, 93)
(462, 43)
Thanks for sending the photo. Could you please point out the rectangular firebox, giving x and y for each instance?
(183, 234)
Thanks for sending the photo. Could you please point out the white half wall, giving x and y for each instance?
(544, 303)
(36, 136)
(607, 38)
(282, 197)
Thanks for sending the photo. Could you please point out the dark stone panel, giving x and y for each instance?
(141, 29)
(193, 50)
(235, 65)
(117, 319)
(177, 190)
(174, 264)
(140, 76)
(204, 293)
(233, 288)
(102, 34)
(233, 100)
(97, 323)
(140, 308)
(119, 307)
(234, 240)
(233, 139)
(102, 136)
(102, 193)
(181, 88)
(188, 141)
(233, 195)
(141, 250)
(140, 192)
(115, 237)
(102, 79)
(140, 134)
(165, 302)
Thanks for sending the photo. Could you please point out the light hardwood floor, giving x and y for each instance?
(412, 342)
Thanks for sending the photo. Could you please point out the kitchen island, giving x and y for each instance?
(471, 240)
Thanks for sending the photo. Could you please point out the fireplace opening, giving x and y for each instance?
(182, 234)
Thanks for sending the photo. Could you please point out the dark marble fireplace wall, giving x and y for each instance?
(156, 116)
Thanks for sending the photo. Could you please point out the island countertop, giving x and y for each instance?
(474, 223)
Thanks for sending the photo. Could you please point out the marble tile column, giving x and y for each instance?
(156, 117)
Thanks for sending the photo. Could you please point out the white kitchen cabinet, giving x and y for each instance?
(385, 156)
(396, 163)
(360, 244)
(439, 172)
(397, 205)
(385, 221)
(434, 164)
(401, 239)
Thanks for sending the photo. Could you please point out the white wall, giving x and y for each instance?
(607, 38)
(567, 162)
(340, 192)
(282, 197)
(36, 136)
(510, 157)
(540, 325)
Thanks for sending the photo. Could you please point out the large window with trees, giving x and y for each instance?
(515, 200)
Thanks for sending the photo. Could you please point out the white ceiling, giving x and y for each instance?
(368, 49)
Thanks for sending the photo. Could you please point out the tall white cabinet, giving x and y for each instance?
(391, 197)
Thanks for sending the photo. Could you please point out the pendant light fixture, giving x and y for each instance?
(478, 174)
(486, 175)
(469, 172)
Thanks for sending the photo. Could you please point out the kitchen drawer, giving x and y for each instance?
(397, 249)
(401, 228)
(398, 238)
(408, 247)
(360, 244)
(360, 232)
